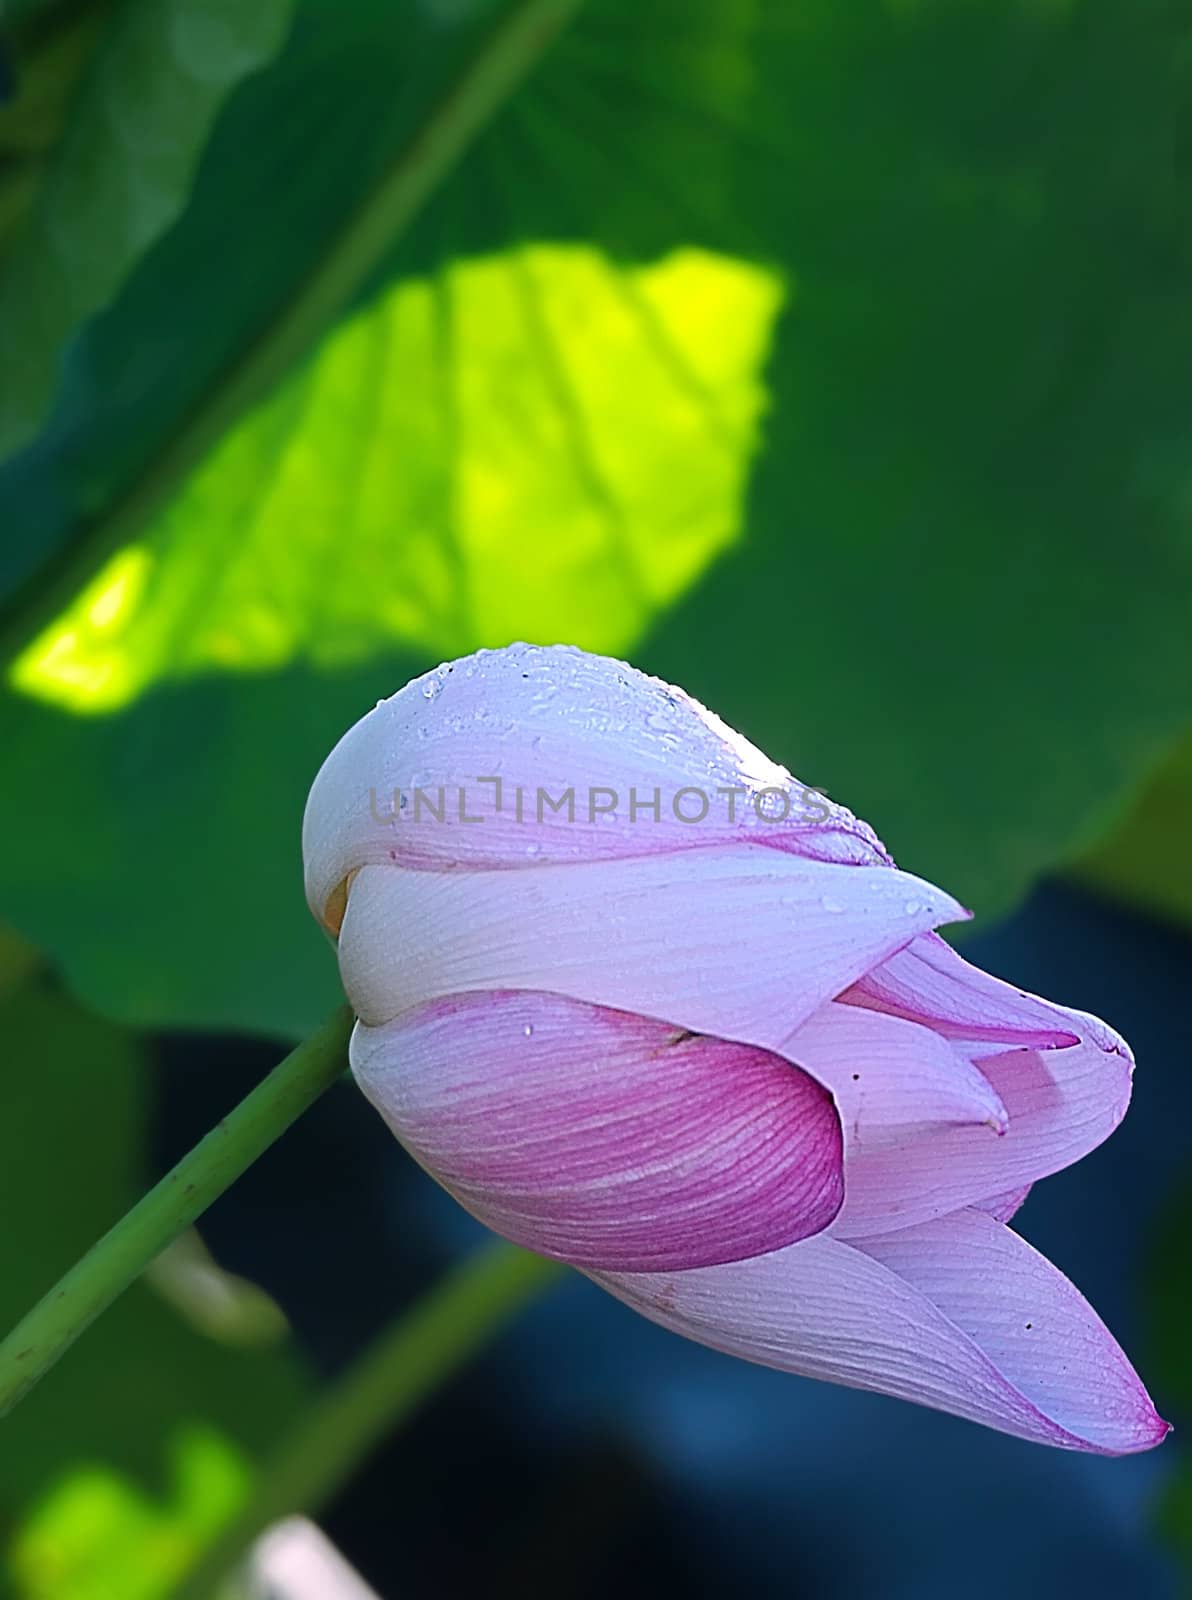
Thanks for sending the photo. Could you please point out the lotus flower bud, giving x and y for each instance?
(644, 1003)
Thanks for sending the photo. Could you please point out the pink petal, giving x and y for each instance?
(1031, 1322)
(928, 982)
(958, 1314)
(1003, 1206)
(554, 719)
(891, 1079)
(1062, 1101)
(605, 1139)
(901, 1089)
(738, 941)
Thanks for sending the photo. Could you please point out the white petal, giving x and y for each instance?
(742, 941)
(553, 720)
(890, 1078)
(959, 1314)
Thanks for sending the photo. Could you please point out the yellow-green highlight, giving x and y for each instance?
(97, 1533)
(542, 443)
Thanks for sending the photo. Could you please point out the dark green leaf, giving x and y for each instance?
(119, 177)
(40, 65)
(1147, 856)
(1175, 1519)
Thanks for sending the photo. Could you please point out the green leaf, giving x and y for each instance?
(146, 1421)
(384, 494)
(97, 1533)
(954, 595)
(1146, 858)
(387, 96)
(1175, 1519)
(120, 176)
(40, 65)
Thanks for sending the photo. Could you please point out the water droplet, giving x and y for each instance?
(533, 850)
(528, 1030)
(831, 905)
(432, 688)
(911, 907)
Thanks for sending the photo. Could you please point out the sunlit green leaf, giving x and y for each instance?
(97, 1534)
(540, 443)
(120, 176)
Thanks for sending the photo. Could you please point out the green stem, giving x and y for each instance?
(422, 1348)
(511, 50)
(168, 1209)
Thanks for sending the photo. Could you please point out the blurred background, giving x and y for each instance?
(831, 360)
